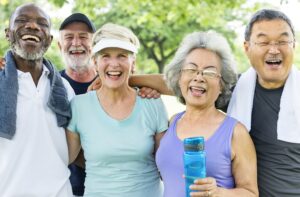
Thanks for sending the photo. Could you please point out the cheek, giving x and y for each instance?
(183, 83)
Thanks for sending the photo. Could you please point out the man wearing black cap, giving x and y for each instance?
(75, 42)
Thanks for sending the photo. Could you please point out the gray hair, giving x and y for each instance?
(206, 40)
(267, 14)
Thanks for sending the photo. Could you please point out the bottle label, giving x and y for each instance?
(193, 147)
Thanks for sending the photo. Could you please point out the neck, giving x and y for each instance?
(115, 95)
(271, 85)
(34, 67)
(82, 76)
(196, 114)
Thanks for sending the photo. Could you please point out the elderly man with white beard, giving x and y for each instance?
(75, 40)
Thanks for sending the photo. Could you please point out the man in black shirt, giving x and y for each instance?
(265, 101)
(75, 40)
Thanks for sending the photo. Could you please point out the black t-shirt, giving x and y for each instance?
(78, 87)
(278, 162)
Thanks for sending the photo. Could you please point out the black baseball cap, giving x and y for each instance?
(78, 17)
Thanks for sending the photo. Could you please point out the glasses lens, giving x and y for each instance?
(210, 72)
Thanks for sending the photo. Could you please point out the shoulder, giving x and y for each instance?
(241, 139)
(84, 98)
(151, 102)
(69, 89)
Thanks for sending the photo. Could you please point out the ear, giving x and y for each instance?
(7, 34)
(59, 45)
(246, 46)
(94, 60)
(49, 41)
(133, 67)
(294, 44)
(222, 84)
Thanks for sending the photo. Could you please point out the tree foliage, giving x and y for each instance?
(159, 24)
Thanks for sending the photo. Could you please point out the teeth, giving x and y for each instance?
(114, 72)
(31, 37)
(77, 51)
(273, 61)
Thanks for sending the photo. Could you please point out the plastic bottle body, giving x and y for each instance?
(194, 158)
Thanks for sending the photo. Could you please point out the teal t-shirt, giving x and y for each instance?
(119, 153)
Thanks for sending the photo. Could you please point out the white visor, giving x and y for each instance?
(114, 43)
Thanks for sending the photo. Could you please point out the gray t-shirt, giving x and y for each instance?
(278, 162)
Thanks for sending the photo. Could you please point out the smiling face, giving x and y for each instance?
(114, 66)
(29, 32)
(270, 51)
(75, 45)
(200, 78)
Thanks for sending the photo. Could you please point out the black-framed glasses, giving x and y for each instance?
(208, 72)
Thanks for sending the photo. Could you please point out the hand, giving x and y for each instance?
(2, 63)
(95, 85)
(146, 92)
(206, 187)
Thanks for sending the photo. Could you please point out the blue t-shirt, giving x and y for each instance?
(119, 153)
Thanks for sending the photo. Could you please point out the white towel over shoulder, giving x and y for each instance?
(288, 125)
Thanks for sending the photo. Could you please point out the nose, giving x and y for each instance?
(32, 25)
(199, 76)
(113, 62)
(76, 41)
(274, 48)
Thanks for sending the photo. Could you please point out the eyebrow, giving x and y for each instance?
(27, 16)
(265, 35)
(208, 66)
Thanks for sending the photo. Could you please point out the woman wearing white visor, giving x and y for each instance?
(117, 129)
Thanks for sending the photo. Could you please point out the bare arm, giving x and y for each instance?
(74, 145)
(243, 168)
(154, 81)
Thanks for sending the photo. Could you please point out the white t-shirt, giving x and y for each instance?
(34, 163)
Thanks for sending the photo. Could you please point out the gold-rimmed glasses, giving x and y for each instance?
(207, 72)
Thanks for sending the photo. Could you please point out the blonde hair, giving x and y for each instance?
(114, 31)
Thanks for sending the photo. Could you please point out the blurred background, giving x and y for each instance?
(159, 24)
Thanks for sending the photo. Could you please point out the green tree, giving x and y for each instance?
(161, 25)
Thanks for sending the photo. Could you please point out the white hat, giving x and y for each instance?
(114, 43)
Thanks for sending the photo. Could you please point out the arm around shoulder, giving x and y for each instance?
(154, 81)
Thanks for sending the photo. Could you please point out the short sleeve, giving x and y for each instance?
(161, 116)
(73, 122)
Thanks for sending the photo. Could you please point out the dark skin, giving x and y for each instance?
(29, 28)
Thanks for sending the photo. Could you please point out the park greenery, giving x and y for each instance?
(159, 24)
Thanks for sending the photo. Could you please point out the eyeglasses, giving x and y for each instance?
(209, 72)
(279, 44)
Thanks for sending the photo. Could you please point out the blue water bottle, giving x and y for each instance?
(194, 161)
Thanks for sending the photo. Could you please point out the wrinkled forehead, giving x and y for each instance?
(30, 11)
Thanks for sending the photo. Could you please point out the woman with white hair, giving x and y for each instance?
(201, 76)
(117, 129)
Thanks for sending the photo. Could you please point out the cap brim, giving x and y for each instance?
(114, 43)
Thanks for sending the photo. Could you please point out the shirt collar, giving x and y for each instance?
(45, 72)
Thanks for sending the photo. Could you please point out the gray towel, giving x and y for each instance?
(57, 101)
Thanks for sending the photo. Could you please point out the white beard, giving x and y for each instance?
(28, 56)
(79, 64)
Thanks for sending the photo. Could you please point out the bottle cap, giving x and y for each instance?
(194, 144)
